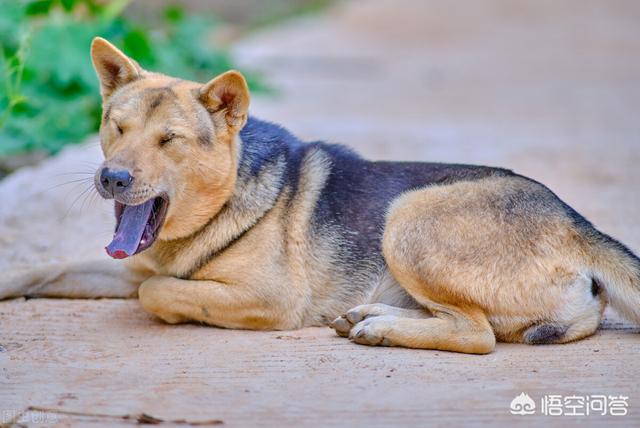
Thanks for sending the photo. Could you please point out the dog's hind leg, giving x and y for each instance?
(82, 280)
(499, 258)
(457, 329)
(449, 328)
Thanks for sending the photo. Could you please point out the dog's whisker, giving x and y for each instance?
(76, 200)
(92, 198)
(90, 163)
(74, 186)
(62, 174)
(86, 196)
(66, 183)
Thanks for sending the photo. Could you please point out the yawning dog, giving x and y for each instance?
(234, 222)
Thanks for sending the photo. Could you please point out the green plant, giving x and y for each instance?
(48, 90)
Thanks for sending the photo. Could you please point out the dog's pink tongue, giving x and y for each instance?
(127, 237)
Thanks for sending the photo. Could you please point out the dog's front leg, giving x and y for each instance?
(81, 280)
(224, 305)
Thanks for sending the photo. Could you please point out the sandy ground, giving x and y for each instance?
(550, 89)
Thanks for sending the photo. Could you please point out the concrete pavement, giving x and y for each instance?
(550, 89)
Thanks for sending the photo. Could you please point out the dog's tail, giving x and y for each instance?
(616, 269)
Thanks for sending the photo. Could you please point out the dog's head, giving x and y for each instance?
(169, 147)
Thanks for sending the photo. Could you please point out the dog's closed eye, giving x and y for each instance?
(119, 128)
(164, 140)
(168, 138)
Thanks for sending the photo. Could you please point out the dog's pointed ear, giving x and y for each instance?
(114, 68)
(226, 97)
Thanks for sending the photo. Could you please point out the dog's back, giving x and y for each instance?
(348, 199)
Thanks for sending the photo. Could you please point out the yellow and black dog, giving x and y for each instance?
(234, 222)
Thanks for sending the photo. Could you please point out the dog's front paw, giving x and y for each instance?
(367, 324)
(159, 300)
(373, 331)
(343, 324)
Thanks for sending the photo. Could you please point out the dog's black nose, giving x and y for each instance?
(115, 181)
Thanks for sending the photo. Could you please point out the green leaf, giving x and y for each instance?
(49, 93)
(11, 25)
(111, 9)
(68, 5)
(137, 45)
(39, 7)
(59, 53)
(173, 14)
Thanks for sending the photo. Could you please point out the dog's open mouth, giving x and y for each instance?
(137, 227)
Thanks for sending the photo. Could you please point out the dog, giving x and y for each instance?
(234, 222)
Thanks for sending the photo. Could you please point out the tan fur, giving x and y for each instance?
(448, 285)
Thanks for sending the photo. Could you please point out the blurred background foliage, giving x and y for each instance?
(48, 90)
